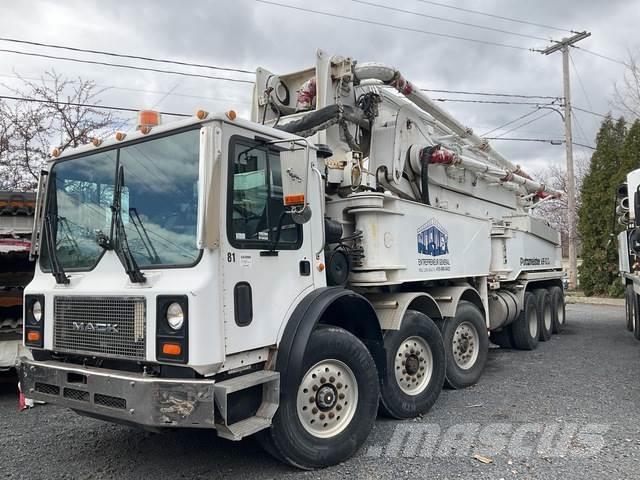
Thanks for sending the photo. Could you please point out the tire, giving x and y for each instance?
(636, 316)
(466, 345)
(525, 330)
(628, 307)
(558, 311)
(325, 429)
(545, 317)
(502, 338)
(418, 334)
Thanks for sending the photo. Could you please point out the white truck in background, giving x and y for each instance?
(627, 209)
(349, 248)
(16, 271)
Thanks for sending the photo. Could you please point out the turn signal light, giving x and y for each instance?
(297, 199)
(33, 337)
(148, 119)
(171, 349)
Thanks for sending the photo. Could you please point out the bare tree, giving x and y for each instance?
(627, 93)
(52, 112)
(555, 211)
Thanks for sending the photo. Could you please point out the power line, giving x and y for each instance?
(495, 102)
(589, 111)
(457, 22)
(396, 27)
(584, 91)
(489, 94)
(509, 19)
(526, 123)
(510, 122)
(120, 65)
(611, 59)
(131, 89)
(123, 55)
(553, 141)
(88, 105)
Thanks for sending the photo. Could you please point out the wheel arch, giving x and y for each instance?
(391, 307)
(335, 306)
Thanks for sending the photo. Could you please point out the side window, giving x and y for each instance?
(256, 210)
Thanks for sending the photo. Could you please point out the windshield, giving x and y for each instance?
(159, 203)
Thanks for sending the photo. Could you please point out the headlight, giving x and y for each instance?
(175, 316)
(36, 310)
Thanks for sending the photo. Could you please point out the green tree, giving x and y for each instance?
(599, 269)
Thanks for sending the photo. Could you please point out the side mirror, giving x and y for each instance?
(295, 167)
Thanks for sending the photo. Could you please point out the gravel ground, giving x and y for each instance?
(564, 410)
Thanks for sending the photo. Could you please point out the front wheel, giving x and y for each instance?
(328, 415)
(415, 367)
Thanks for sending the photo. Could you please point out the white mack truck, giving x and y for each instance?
(627, 209)
(347, 250)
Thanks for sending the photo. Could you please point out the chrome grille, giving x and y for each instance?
(107, 326)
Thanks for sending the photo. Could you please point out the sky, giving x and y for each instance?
(247, 34)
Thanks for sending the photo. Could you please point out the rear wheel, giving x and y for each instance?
(524, 330)
(328, 416)
(629, 310)
(556, 296)
(545, 318)
(502, 338)
(466, 344)
(636, 316)
(415, 367)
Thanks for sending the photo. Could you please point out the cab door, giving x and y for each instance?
(268, 260)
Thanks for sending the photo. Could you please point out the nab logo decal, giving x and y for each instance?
(433, 239)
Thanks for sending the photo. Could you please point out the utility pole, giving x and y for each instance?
(563, 46)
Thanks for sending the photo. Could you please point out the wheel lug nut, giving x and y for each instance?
(314, 411)
(341, 396)
(323, 380)
(338, 407)
(322, 416)
(338, 385)
(332, 379)
(312, 399)
(314, 388)
(331, 415)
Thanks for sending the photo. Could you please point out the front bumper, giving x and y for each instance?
(124, 397)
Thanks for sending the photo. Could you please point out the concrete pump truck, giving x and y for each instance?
(627, 209)
(347, 250)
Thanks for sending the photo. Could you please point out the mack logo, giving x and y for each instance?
(95, 327)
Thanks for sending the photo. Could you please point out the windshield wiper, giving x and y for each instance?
(121, 244)
(144, 235)
(56, 269)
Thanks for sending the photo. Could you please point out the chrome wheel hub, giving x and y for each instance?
(327, 398)
(413, 365)
(466, 345)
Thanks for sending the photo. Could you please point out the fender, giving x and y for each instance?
(309, 313)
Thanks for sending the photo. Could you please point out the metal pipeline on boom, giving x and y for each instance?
(441, 156)
(510, 172)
